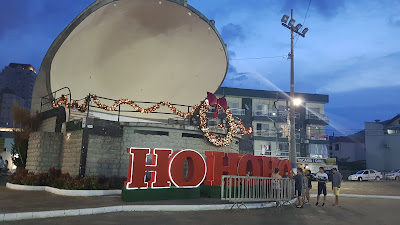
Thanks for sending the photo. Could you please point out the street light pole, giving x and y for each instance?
(291, 119)
(292, 138)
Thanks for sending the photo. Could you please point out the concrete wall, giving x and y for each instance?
(44, 151)
(351, 150)
(103, 156)
(48, 125)
(382, 150)
(71, 152)
(134, 137)
(106, 145)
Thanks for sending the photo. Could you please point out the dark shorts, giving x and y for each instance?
(321, 188)
(298, 193)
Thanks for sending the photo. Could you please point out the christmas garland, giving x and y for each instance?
(234, 127)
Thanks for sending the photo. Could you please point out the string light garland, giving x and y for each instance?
(235, 125)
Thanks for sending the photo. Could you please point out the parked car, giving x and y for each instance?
(393, 175)
(366, 175)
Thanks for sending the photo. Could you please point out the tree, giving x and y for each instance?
(26, 124)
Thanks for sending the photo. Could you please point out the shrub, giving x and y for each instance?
(55, 178)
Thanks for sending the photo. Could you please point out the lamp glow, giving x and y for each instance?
(297, 101)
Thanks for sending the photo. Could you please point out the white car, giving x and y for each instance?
(366, 175)
(393, 175)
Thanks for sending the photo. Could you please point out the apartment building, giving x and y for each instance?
(382, 143)
(267, 112)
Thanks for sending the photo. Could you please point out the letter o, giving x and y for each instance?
(196, 169)
(252, 161)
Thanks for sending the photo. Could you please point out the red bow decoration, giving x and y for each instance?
(213, 100)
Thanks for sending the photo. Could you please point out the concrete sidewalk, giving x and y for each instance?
(35, 201)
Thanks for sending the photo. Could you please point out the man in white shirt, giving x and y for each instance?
(322, 178)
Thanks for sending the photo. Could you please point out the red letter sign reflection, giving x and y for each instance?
(138, 168)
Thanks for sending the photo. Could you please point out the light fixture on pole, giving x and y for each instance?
(297, 101)
(293, 102)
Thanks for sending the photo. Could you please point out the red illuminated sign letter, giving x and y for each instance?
(249, 163)
(218, 164)
(196, 169)
(138, 168)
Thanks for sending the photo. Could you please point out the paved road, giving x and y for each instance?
(27, 201)
(365, 188)
(351, 211)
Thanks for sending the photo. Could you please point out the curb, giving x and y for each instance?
(24, 187)
(127, 208)
(362, 196)
(82, 193)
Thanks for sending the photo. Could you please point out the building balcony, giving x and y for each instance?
(320, 119)
(264, 133)
(235, 112)
(281, 116)
(238, 112)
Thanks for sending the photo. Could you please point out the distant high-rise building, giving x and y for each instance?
(16, 85)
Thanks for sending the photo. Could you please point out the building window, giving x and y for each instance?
(284, 146)
(330, 147)
(233, 105)
(337, 147)
(318, 151)
(262, 126)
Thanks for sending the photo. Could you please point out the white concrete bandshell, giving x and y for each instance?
(136, 49)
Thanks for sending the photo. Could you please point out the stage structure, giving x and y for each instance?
(117, 76)
(144, 50)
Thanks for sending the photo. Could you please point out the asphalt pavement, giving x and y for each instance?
(350, 211)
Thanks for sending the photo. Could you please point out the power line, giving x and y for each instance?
(264, 57)
(304, 21)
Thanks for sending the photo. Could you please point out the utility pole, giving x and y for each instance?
(291, 105)
(292, 137)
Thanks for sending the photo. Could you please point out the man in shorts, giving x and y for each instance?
(298, 186)
(322, 178)
(336, 183)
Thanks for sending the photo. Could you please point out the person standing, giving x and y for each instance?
(322, 178)
(286, 175)
(276, 185)
(336, 183)
(1, 166)
(308, 185)
(298, 186)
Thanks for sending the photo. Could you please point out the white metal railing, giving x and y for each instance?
(315, 116)
(240, 189)
(260, 113)
(238, 112)
(264, 133)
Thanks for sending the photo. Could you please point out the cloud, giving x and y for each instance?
(394, 20)
(248, 80)
(325, 8)
(232, 32)
(368, 73)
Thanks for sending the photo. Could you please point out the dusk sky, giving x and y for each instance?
(351, 51)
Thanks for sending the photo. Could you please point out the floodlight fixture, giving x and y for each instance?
(305, 31)
(291, 22)
(285, 18)
(298, 27)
